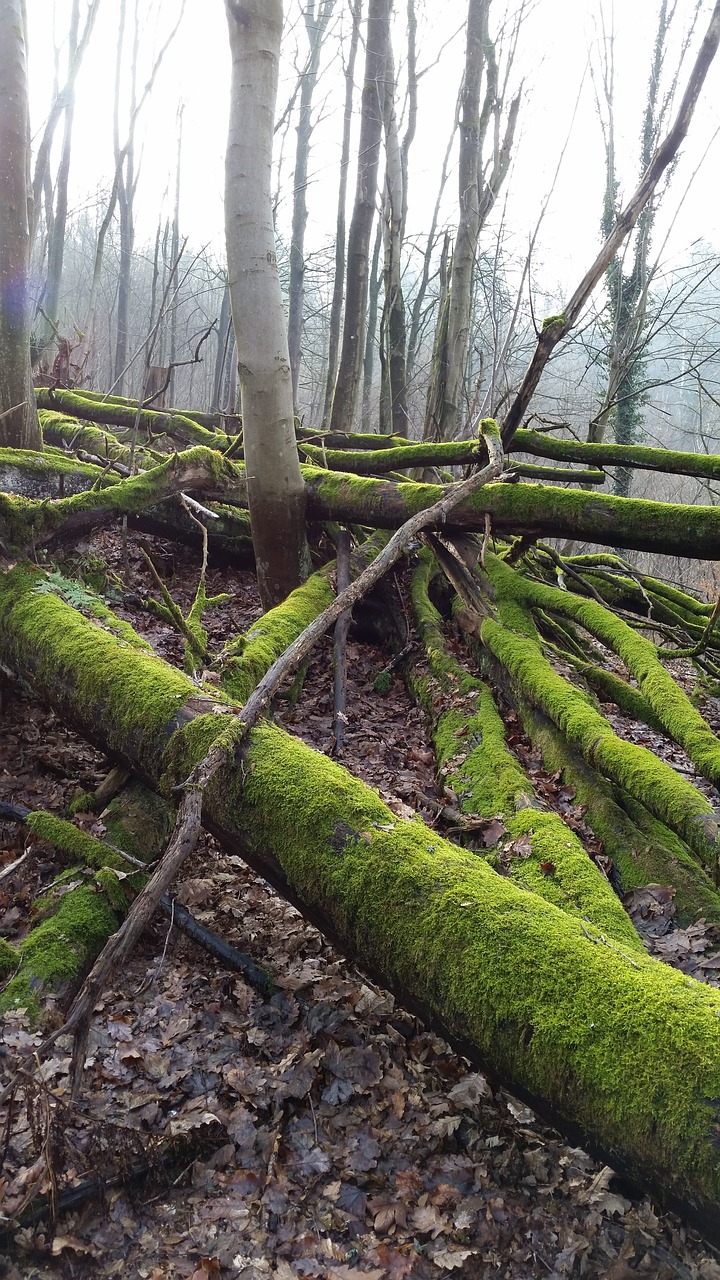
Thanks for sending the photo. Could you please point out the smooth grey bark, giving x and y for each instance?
(316, 24)
(336, 306)
(371, 334)
(276, 493)
(393, 328)
(224, 331)
(18, 416)
(358, 255)
(125, 198)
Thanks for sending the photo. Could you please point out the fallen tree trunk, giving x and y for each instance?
(538, 511)
(617, 1048)
(118, 414)
(534, 510)
(487, 778)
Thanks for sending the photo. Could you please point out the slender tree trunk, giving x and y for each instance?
(393, 327)
(463, 260)
(174, 255)
(358, 257)
(276, 492)
(316, 25)
(56, 232)
(371, 338)
(18, 416)
(126, 197)
(221, 356)
(336, 305)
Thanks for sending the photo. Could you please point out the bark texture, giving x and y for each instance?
(18, 419)
(276, 492)
(358, 255)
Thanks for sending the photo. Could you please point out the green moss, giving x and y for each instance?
(9, 958)
(624, 695)
(642, 457)
(643, 849)
(138, 822)
(124, 414)
(636, 769)
(552, 322)
(381, 461)
(625, 1046)
(141, 698)
(618, 1044)
(474, 759)
(245, 660)
(58, 950)
(85, 435)
(26, 519)
(77, 844)
(382, 683)
(82, 802)
(669, 704)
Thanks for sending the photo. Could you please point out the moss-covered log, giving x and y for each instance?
(640, 457)
(150, 421)
(537, 511)
(473, 757)
(26, 522)
(245, 659)
(614, 1047)
(513, 640)
(85, 437)
(669, 704)
(404, 457)
(642, 848)
(77, 914)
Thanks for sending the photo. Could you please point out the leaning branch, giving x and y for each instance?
(559, 326)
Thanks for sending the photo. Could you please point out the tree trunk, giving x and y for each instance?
(538, 511)
(367, 422)
(616, 1048)
(276, 492)
(336, 305)
(316, 26)
(393, 326)
(463, 260)
(358, 256)
(18, 417)
(126, 198)
(56, 232)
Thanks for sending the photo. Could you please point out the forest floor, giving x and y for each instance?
(321, 1133)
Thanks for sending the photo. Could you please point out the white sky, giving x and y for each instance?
(552, 62)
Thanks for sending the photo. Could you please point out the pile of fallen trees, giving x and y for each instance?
(526, 960)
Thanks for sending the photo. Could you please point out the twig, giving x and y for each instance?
(342, 626)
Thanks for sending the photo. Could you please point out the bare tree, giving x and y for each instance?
(57, 223)
(18, 418)
(336, 305)
(358, 255)
(628, 286)
(316, 24)
(276, 490)
(478, 191)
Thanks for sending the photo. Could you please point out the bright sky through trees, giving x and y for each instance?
(553, 63)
